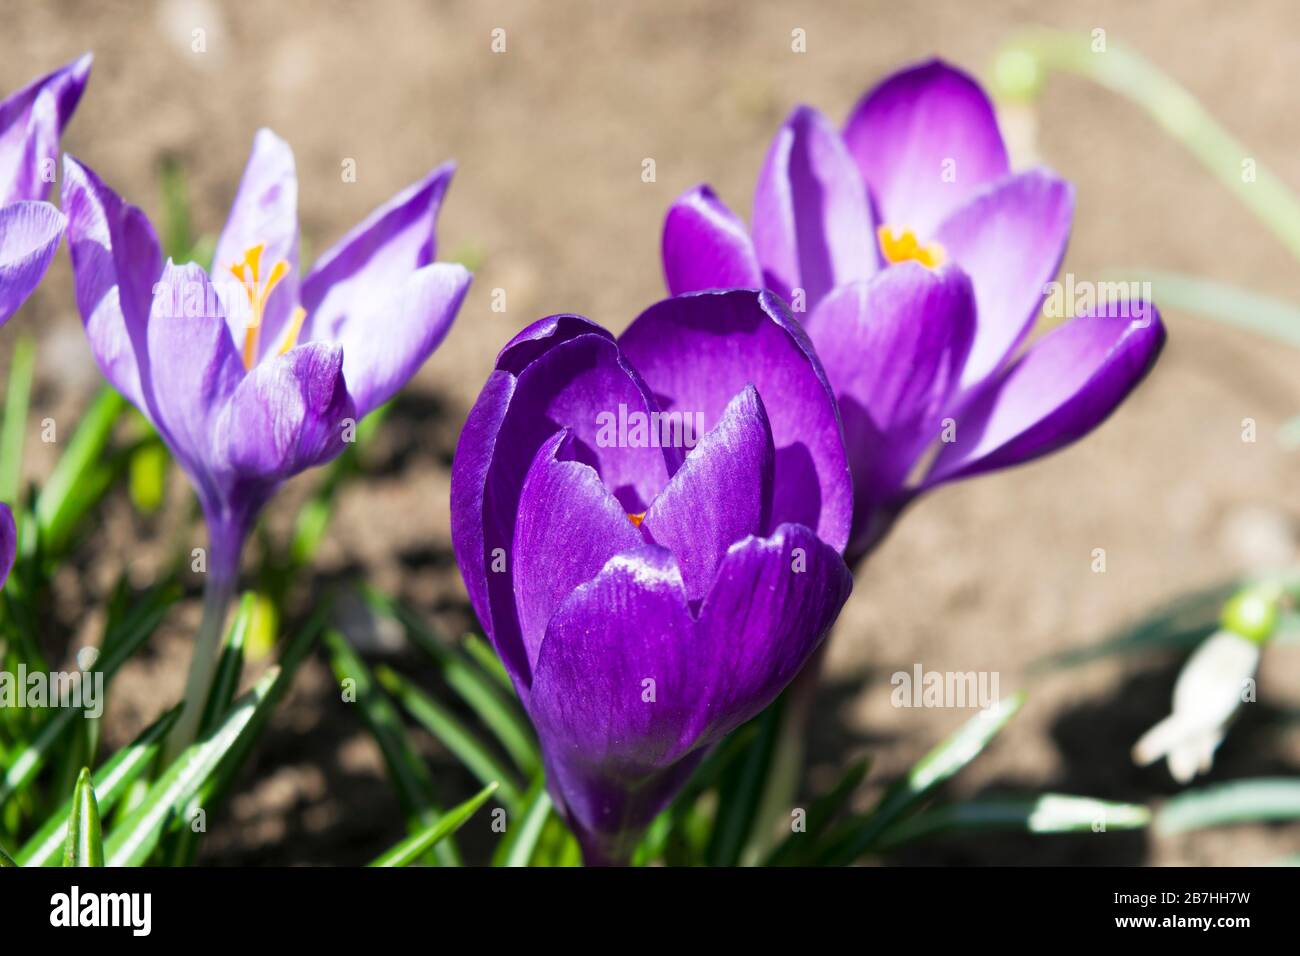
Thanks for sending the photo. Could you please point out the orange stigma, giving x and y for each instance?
(249, 272)
(906, 246)
(636, 519)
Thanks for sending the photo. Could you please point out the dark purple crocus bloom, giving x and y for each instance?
(31, 122)
(650, 531)
(919, 262)
(248, 374)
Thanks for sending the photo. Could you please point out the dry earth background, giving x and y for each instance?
(549, 205)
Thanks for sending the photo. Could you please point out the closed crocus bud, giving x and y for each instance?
(650, 530)
(1212, 685)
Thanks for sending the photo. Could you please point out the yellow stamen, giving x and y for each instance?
(636, 519)
(249, 272)
(294, 330)
(906, 246)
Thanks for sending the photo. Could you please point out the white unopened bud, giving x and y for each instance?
(1210, 688)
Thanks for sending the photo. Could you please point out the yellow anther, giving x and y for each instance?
(248, 271)
(906, 246)
(294, 330)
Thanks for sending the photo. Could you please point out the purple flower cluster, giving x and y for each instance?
(652, 528)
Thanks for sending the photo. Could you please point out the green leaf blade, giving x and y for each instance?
(85, 840)
(416, 845)
(134, 839)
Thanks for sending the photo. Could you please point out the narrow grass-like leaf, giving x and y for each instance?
(416, 845)
(742, 790)
(85, 841)
(481, 651)
(70, 489)
(134, 632)
(230, 666)
(6, 861)
(408, 772)
(1181, 114)
(183, 843)
(134, 838)
(464, 745)
(115, 777)
(821, 815)
(939, 765)
(1179, 625)
(1239, 308)
(494, 705)
(1044, 813)
(523, 834)
(13, 431)
(557, 846)
(1240, 801)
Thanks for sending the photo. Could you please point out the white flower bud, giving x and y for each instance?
(1207, 694)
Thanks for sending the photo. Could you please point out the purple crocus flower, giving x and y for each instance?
(650, 530)
(248, 374)
(31, 122)
(8, 542)
(921, 262)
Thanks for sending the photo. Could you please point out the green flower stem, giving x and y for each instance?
(217, 595)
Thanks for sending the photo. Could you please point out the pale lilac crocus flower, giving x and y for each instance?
(249, 374)
(31, 121)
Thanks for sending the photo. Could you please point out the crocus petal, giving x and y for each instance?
(813, 228)
(29, 236)
(287, 414)
(477, 446)
(630, 689)
(1010, 238)
(1063, 387)
(573, 385)
(8, 542)
(894, 347)
(391, 243)
(706, 246)
(392, 334)
(721, 494)
(773, 601)
(606, 740)
(569, 526)
(194, 370)
(116, 262)
(924, 140)
(697, 351)
(265, 211)
(31, 121)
